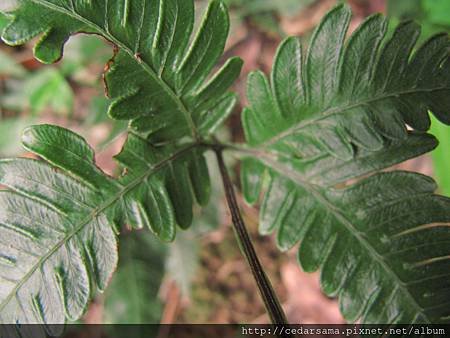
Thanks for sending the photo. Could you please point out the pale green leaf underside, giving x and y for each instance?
(335, 115)
(156, 79)
(57, 228)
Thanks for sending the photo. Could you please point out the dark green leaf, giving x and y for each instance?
(325, 121)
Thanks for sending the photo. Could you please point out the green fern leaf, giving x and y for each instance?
(58, 220)
(331, 117)
(156, 79)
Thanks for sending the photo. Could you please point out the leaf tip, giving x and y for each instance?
(28, 136)
(49, 49)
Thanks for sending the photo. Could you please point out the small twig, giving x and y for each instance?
(172, 303)
(268, 295)
(170, 310)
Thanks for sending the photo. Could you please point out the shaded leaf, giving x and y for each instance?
(326, 121)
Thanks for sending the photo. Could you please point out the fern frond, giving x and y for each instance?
(58, 219)
(331, 117)
(321, 131)
(156, 79)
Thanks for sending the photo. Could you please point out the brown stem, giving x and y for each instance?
(268, 295)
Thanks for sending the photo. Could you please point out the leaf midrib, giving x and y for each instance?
(146, 67)
(293, 176)
(324, 114)
(95, 213)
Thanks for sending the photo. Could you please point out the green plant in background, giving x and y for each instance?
(3, 21)
(132, 296)
(35, 90)
(287, 7)
(441, 158)
(47, 91)
(319, 134)
(432, 14)
(265, 13)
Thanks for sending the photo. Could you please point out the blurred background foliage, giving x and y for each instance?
(201, 277)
